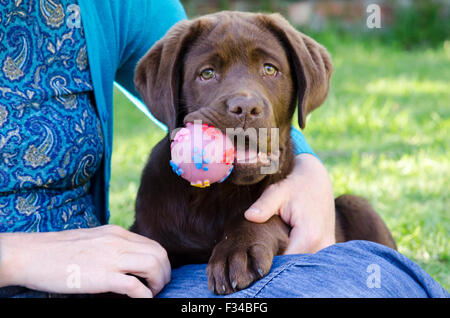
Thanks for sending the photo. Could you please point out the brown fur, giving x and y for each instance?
(207, 225)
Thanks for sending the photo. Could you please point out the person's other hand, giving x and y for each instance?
(305, 201)
(95, 260)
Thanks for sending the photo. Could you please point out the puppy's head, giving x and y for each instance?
(244, 73)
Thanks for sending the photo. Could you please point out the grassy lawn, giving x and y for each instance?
(383, 133)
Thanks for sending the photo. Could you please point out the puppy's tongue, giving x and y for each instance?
(246, 156)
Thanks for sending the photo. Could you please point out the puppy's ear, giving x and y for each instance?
(311, 64)
(158, 73)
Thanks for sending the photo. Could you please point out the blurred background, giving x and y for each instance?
(384, 130)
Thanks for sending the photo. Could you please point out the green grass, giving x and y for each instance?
(383, 133)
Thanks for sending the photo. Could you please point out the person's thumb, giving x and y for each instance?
(268, 204)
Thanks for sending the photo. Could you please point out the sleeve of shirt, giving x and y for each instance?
(146, 22)
(300, 144)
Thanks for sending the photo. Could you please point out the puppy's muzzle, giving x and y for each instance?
(245, 108)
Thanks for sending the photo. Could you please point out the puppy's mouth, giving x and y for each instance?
(253, 162)
(255, 154)
(246, 152)
(250, 153)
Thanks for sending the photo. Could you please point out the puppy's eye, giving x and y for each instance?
(270, 70)
(207, 74)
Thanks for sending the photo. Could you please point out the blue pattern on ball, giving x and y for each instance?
(176, 168)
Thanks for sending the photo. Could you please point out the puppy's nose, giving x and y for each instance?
(245, 107)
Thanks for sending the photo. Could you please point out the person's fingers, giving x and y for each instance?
(150, 267)
(268, 204)
(144, 257)
(135, 243)
(160, 255)
(123, 233)
(301, 241)
(129, 285)
(296, 242)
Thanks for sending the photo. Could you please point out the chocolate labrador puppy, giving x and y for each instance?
(238, 70)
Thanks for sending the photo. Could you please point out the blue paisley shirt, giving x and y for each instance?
(51, 141)
(55, 154)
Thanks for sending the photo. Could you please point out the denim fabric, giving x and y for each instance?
(22, 292)
(351, 269)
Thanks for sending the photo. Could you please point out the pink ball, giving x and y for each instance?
(202, 154)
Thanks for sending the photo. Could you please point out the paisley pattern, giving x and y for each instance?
(51, 142)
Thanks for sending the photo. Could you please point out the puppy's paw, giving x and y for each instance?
(235, 265)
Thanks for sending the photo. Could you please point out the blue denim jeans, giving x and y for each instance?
(351, 269)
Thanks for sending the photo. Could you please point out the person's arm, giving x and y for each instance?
(300, 144)
(150, 23)
(95, 260)
(304, 200)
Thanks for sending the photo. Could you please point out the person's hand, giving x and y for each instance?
(305, 201)
(95, 260)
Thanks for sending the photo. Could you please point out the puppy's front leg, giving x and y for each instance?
(245, 254)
